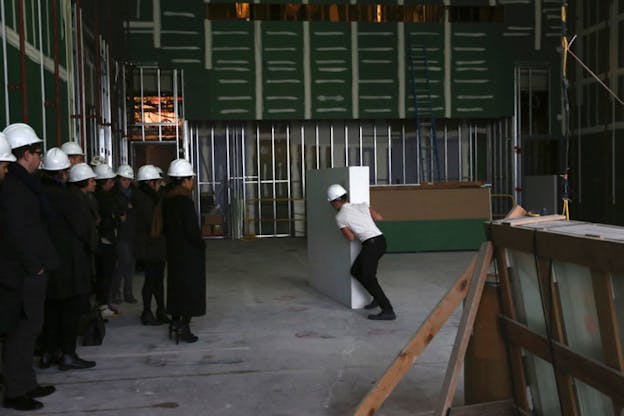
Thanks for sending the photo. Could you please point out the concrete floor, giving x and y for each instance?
(269, 345)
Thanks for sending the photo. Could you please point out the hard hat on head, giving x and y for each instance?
(5, 150)
(55, 159)
(125, 171)
(159, 170)
(20, 134)
(335, 192)
(80, 172)
(148, 173)
(180, 168)
(72, 149)
(103, 172)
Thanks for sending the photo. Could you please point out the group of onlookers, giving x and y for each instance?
(71, 233)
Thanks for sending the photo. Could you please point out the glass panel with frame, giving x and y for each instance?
(542, 384)
(526, 292)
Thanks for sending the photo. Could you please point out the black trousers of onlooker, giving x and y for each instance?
(364, 269)
(18, 347)
(105, 262)
(154, 285)
(60, 328)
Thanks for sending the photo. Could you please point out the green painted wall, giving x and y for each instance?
(229, 64)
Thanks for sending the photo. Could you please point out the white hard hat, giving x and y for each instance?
(159, 170)
(20, 134)
(125, 171)
(180, 168)
(55, 159)
(104, 172)
(335, 191)
(5, 150)
(148, 173)
(80, 172)
(72, 148)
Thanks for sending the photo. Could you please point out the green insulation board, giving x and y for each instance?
(435, 235)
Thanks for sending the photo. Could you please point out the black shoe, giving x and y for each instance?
(185, 334)
(47, 360)
(383, 316)
(24, 403)
(162, 317)
(148, 318)
(128, 298)
(371, 305)
(41, 391)
(73, 362)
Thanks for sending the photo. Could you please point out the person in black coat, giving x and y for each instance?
(106, 253)
(186, 264)
(148, 248)
(69, 285)
(25, 211)
(126, 262)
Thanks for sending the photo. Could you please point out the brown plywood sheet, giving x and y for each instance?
(414, 204)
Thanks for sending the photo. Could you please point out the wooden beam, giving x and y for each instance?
(465, 328)
(515, 222)
(609, 331)
(515, 353)
(553, 318)
(589, 371)
(416, 345)
(516, 212)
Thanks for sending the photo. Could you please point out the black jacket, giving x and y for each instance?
(186, 261)
(147, 247)
(71, 233)
(125, 231)
(110, 218)
(25, 245)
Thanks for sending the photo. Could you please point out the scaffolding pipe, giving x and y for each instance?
(22, 42)
(43, 94)
(57, 78)
(79, 67)
(5, 64)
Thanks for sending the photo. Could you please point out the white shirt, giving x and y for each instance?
(358, 218)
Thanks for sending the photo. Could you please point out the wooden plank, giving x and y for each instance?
(515, 354)
(515, 222)
(465, 328)
(609, 331)
(516, 212)
(594, 373)
(497, 408)
(553, 317)
(417, 344)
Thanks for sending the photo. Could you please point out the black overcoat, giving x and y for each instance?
(70, 231)
(26, 245)
(186, 262)
(146, 247)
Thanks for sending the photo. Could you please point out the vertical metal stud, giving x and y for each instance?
(290, 223)
(303, 161)
(375, 150)
(389, 130)
(273, 180)
(331, 144)
(142, 101)
(403, 146)
(259, 196)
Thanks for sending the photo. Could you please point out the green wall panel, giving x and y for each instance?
(182, 32)
(440, 235)
(282, 70)
(232, 77)
(480, 72)
(378, 70)
(330, 59)
(424, 42)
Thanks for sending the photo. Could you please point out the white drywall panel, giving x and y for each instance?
(330, 255)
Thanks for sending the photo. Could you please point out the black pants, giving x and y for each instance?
(18, 347)
(154, 285)
(60, 327)
(364, 269)
(105, 262)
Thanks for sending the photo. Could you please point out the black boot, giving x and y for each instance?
(148, 318)
(48, 359)
(73, 362)
(185, 334)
